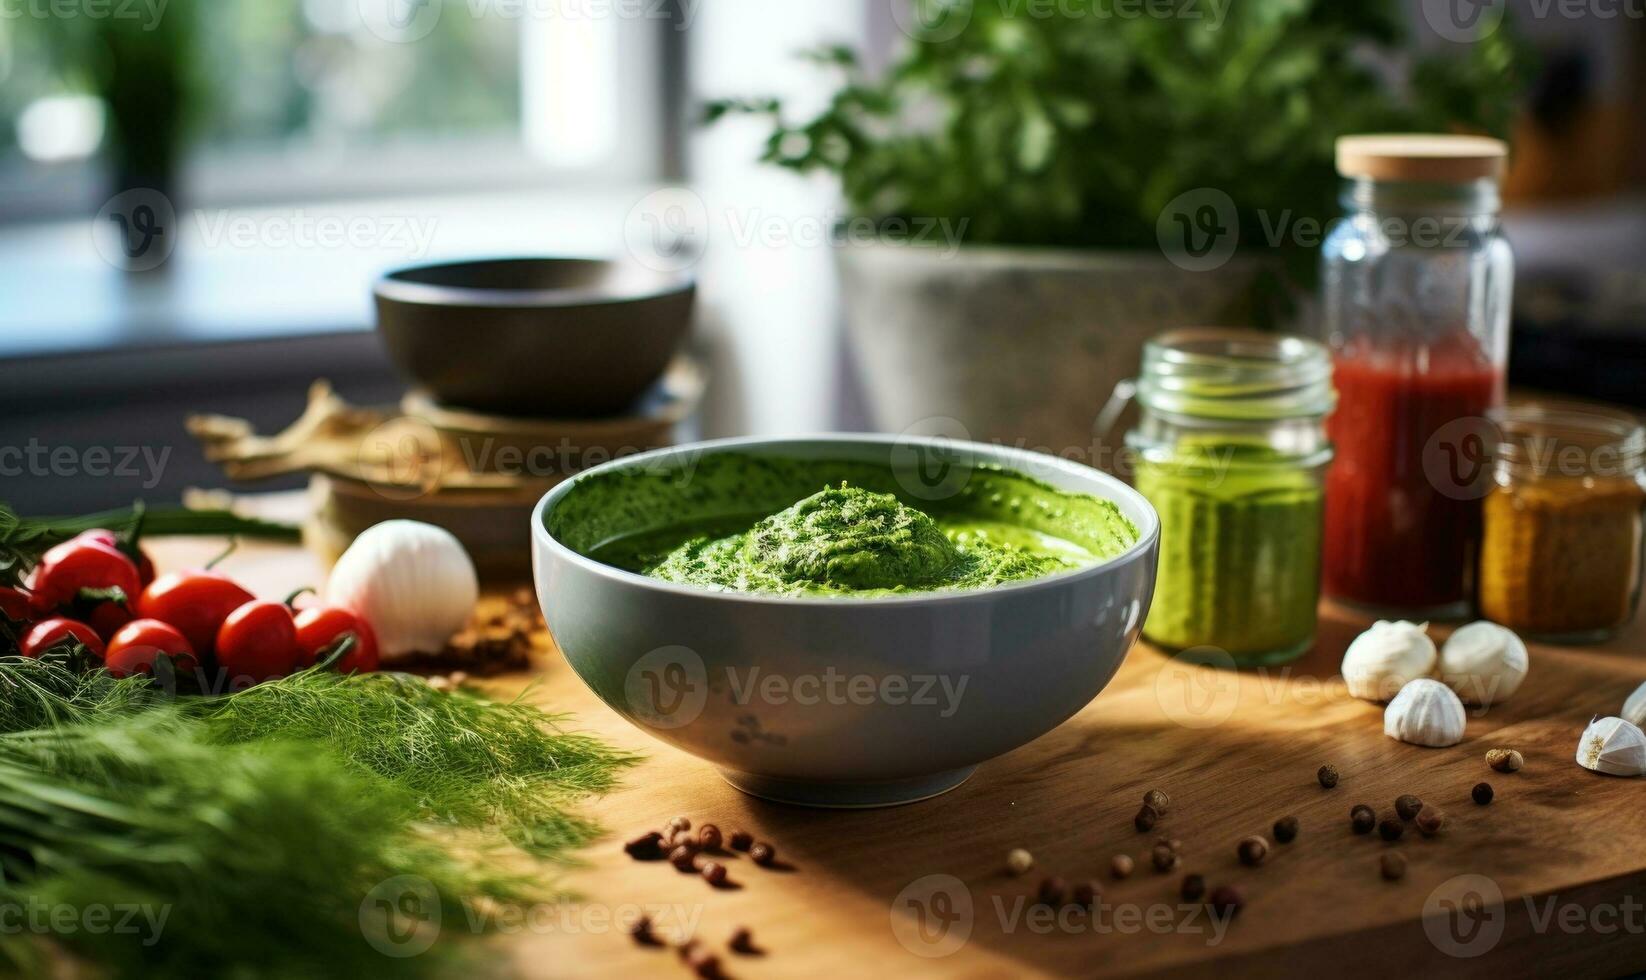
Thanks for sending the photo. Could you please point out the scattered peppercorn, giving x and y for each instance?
(1019, 861)
(1286, 830)
(646, 847)
(1228, 899)
(704, 963)
(1394, 865)
(642, 933)
(741, 840)
(1146, 818)
(708, 837)
(714, 873)
(742, 941)
(1407, 806)
(1164, 858)
(1053, 891)
(678, 823)
(1362, 818)
(1505, 760)
(684, 858)
(1086, 894)
(763, 855)
(1429, 821)
(1193, 888)
(1482, 793)
(1327, 776)
(1390, 828)
(1252, 850)
(1158, 800)
(1121, 866)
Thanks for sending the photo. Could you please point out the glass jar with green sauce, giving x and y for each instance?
(1231, 449)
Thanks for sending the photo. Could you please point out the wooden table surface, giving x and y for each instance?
(1549, 877)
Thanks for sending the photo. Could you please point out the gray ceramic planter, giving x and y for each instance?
(1020, 346)
(846, 702)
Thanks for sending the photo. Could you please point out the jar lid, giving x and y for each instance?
(1236, 374)
(1422, 157)
(1564, 440)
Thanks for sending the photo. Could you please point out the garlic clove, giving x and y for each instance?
(1386, 658)
(412, 582)
(1634, 709)
(1613, 746)
(1484, 663)
(1425, 712)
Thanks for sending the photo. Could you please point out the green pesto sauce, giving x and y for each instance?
(740, 523)
(1240, 536)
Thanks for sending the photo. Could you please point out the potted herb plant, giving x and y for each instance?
(1093, 178)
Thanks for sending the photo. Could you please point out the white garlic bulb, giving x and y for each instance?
(1484, 663)
(412, 582)
(1613, 746)
(1386, 658)
(1425, 712)
(1634, 709)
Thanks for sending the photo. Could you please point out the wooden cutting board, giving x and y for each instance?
(1551, 876)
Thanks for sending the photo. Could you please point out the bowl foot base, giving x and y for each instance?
(847, 796)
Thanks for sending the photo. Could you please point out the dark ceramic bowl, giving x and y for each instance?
(537, 337)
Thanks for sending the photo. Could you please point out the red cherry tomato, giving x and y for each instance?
(258, 641)
(196, 603)
(138, 643)
(82, 563)
(15, 605)
(321, 627)
(106, 618)
(49, 632)
(145, 565)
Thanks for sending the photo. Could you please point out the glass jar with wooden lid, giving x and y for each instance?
(1561, 551)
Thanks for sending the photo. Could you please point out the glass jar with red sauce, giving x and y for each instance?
(1417, 281)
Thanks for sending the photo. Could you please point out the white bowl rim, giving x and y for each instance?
(1148, 533)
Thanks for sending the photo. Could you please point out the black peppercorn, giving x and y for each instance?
(1393, 866)
(1362, 818)
(1327, 776)
(704, 963)
(742, 941)
(684, 858)
(1429, 821)
(708, 837)
(1053, 891)
(1193, 888)
(1228, 899)
(1146, 818)
(1086, 894)
(1482, 793)
(1390, 828)
(714, 873)
(1408, 806)
(1286, 829)
(1164, 858)
(741, 840)
(1252, 850)
(641, 932)
(763, 855)
(646, 847)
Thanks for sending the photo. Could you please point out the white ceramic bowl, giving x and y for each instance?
(846, 701)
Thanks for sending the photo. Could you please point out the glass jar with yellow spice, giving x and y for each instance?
(1231, 450)
(1560, 558)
